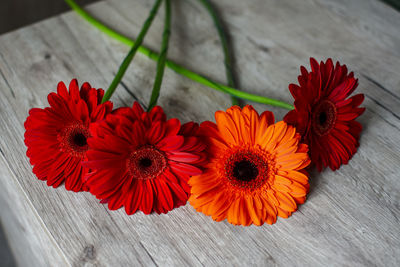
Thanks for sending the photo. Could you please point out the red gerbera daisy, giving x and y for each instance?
(56, 136)
(142, 161)
(323, 114)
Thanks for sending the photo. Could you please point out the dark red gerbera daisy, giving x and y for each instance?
(142, 161)
(56, 136)
(324, 115)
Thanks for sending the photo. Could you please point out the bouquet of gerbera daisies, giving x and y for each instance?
(245, 167)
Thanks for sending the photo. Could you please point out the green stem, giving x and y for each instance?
(127, 60)
(163, 57)
(225, 46)
(177, 68)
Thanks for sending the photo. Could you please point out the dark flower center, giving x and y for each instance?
(324, 117)
(146, 162)
(79, 139)
(73, 139)
(245, 170)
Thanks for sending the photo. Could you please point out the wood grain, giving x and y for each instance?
(351, 216)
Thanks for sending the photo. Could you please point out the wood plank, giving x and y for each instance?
(23, 223)
(351, 216)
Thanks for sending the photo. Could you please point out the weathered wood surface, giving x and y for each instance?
(351, 216)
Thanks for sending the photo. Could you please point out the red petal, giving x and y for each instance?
(172, 127)
(164, 197)
(186, 169)
(156, 132)
(189, 129)
(171, 143)
(183, 157)
(147, 198)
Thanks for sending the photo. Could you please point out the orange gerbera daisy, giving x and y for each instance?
(255, 169)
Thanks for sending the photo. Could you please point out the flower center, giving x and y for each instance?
(245, 168)
(324, 117)
(147, 162)
(79, 139)
(73, 139)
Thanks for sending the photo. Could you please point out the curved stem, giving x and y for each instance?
(163, 56)
(177, 68)
(228, 62)
(127, 60)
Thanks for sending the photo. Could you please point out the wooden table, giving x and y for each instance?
(351, 216)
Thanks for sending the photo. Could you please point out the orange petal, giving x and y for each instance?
(270, 210)
(198, 202)
(233, 215)
(293, 161)
(248, 111)
(288, 148)
(263, 136)
(279, 132)
(262, 127)
(270, 196)
(253, 211)
(294, 175)
(299, 200)
(253, 123)
(219, 206)
(242, 123)
(257, 201)
(298, 189)
(244, 218)
(286, 202)
(283, 213)
(280, 187)
(227, 127)
(290, 134)
(282, 180)
(295, 188)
